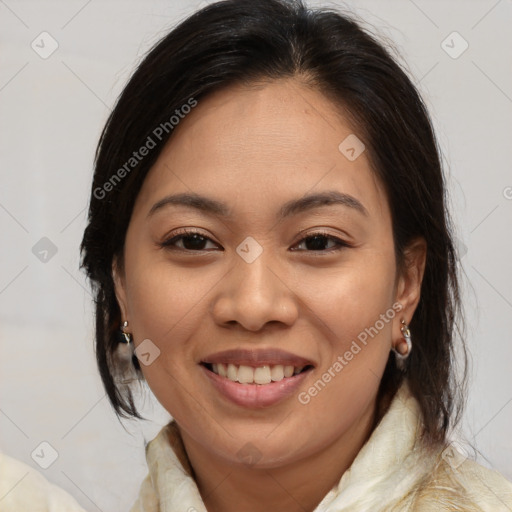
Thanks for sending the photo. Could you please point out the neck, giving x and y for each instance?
(297, 487)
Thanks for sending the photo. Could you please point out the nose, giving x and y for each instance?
(255, 294)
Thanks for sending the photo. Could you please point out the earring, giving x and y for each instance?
(406, 346)
(123, 370)
(126, 337)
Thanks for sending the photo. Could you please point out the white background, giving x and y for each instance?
(52, 112)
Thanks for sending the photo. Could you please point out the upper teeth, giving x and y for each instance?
(259, 375)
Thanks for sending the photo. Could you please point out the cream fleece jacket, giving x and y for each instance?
(391, 473)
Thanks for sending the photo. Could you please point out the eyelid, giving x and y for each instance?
(341, 242)
(183, 232)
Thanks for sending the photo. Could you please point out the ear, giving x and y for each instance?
(119, 287)
(410, 278)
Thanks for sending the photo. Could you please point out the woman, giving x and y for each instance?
(270, 250)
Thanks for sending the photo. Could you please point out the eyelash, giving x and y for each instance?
(168, 244)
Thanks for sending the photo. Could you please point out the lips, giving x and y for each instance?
(256, 378)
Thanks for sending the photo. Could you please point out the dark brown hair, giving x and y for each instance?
(245, 41)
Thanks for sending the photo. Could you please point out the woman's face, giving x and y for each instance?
(255, 292)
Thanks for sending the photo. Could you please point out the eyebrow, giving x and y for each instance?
(293, 207)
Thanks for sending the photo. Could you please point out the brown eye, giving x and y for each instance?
(190, 241)
(317, 241)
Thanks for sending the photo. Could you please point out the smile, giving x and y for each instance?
(255, 378)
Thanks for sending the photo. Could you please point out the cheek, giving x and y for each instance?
(352, 298)
(163, 306)
(162, 297)
(355, 307)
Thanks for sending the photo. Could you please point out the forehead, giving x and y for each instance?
(259, 145)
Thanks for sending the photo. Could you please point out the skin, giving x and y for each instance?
(255, 148)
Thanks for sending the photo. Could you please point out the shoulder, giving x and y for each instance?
(24, 488)
(458, 483)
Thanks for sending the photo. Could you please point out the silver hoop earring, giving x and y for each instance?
(401, 358)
